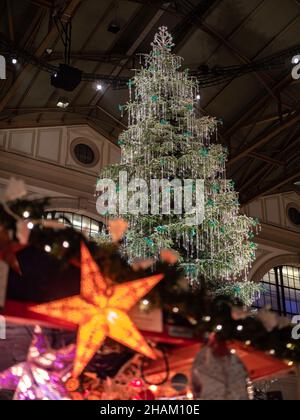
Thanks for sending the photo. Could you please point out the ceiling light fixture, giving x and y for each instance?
(63, 103)
(114, 27)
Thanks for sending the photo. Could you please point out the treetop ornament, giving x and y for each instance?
(100, 311)
(163, 39)
(167, 141)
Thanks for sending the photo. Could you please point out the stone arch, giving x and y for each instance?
(266, 266)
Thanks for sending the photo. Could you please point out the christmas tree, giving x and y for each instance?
(166, 140)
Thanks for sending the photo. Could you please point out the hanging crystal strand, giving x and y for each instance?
(154, 146)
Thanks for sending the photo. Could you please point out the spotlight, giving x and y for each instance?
(66, 78)
(114, 27)
(63, 103)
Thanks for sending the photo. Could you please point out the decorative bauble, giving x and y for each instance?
(179, 382)
(218, 378)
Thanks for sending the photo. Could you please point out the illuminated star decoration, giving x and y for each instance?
(100, 311)
(42, 375)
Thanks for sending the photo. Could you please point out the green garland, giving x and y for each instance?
(194, 307)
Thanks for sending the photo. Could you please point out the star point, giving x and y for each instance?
(100, 311)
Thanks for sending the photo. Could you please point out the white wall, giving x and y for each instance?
(42, 157)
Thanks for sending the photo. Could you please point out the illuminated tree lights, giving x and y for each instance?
(165, 140)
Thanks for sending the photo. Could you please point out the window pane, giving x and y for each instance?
(82, 223)
(281, 291)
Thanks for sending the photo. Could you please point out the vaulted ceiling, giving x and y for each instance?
(260, 110)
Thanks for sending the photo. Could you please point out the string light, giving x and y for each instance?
(248, 343)
(153, 388)
(137, 383)
(190, 395)
(175, 310)
(206, 318)
(14, 61)
(48, 248)
(66, 244)
(99, 87)
(30, 225)
(272, 352)
(289, 346)
(26, 214)
(240, 328)
(219, 327)
(198, 97)
(296, 59)
(233, 351)
(290, 363)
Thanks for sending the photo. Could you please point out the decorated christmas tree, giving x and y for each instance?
(166, 140)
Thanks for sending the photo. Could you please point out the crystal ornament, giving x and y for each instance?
(166, 139)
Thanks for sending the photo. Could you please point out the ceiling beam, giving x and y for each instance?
(88, 56)
(10, 21)
(257, 104)
(267, 119)
(68, 12)
(274, 185)
(119, 68)
(11, 113)
(267, 159)
(43, 3)
(260, 141)
(262, 173)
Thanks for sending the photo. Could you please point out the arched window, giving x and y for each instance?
(80, 222)
(281, 290)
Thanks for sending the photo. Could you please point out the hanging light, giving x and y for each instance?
(63, 103)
